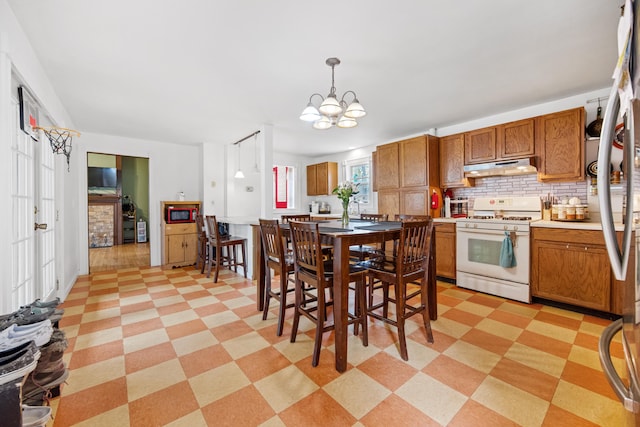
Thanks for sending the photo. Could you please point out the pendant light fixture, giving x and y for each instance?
(256, 169)
(332, 112)
(239, 174)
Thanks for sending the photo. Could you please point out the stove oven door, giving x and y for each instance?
(478, 263)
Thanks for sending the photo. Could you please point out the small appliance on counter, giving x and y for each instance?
(324, 208)
(459, 208)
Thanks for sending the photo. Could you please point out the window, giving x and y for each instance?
(284, 187)
(359, 172)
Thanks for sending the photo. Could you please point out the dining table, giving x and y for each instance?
(342, 236)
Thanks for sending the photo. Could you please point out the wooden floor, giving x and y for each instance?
(119, 256)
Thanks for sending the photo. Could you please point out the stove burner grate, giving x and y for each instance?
(483, 217)
(516, 218)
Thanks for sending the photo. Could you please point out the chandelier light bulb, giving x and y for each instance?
(324, 123)
(310, 113)
(347, 122)
(330, 106)
(355, 110)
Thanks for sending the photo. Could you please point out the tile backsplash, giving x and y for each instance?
(522, 185)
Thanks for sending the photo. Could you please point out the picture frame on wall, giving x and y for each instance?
(28, 113)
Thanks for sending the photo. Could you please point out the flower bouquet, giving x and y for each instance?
(344, 191)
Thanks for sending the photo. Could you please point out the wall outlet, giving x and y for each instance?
(249, 189)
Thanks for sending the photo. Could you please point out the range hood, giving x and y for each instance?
(522, 166)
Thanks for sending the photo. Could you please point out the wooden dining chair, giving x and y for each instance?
(301, 217)
(314, 276)
(361, 252)
(407, 273)
(203, 244)
(280, 260)
(223, 250)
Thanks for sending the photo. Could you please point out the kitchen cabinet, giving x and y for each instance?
(180, 240)
(480, 145)
(406, 172)
(322, 178)
(452, 162)
(516, 139)
(389, 202)
(572, 266)
(445, 235)
(506, 141)
(417, 165)
(388, 166)
(560, 146)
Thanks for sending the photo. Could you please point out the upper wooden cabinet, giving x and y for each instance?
(480, 145)
(452, 162)
(387, 172)
(417, 165)
(516, 139)
(506, 141)
(322, 178)
(560, 146)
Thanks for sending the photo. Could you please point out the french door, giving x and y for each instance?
(33, 216)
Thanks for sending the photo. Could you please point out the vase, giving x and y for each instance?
(345, 213)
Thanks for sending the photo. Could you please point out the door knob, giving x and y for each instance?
(42, 226)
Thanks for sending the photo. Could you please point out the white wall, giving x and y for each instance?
(172, 168)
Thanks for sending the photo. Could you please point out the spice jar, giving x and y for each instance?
(554, 212)
(571, 212)
(579, 212)
(562, 211)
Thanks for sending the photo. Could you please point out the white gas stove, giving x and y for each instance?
(481, 240)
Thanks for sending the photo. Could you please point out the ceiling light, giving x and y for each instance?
(333, 112)
(239, 174)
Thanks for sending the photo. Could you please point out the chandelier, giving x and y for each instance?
(331, 111)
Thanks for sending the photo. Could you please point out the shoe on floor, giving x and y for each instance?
(35, 416)
(45, 381)
(15, 334)
(41, 304)
(20, 365)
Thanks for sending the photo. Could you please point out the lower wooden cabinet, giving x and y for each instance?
(181, 244)
(445, 234)
(572, 266)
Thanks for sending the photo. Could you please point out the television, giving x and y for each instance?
(101, 177)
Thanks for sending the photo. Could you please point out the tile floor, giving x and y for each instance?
(151, 347)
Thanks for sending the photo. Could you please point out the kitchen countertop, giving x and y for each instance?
(575, 225)
(447, 220)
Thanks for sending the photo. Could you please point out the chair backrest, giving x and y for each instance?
(406, 217)
(272, 244)
(212, 228)
(414, 246)
(301, 217)
(199, 224)
(307, 248)
(374, 217)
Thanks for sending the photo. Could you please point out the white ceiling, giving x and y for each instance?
(195, 71)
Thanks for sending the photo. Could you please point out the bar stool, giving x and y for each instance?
(317, 274)
(229, 244)
(203, 244)
(408, 266)
(279, 260)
